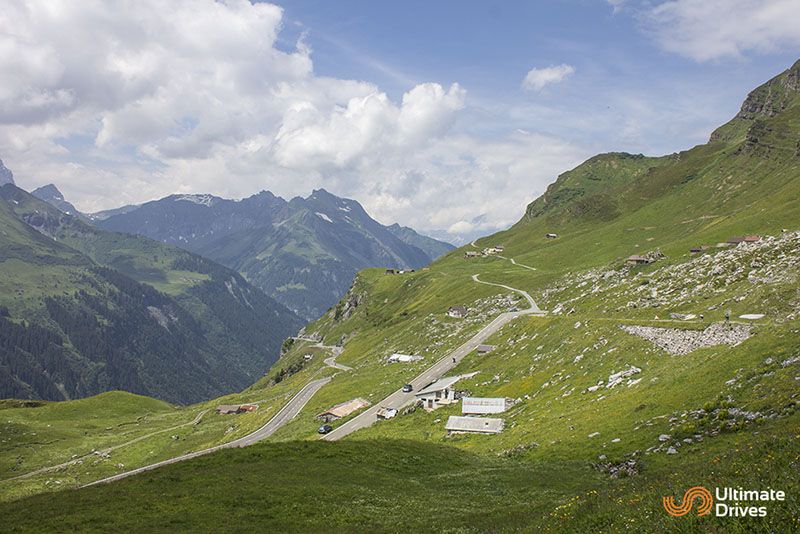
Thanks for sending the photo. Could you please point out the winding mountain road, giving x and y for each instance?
(399, 399)
(284, 415)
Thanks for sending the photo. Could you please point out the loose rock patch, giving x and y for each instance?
(679, 341)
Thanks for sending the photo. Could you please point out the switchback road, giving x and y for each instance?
(399, 399)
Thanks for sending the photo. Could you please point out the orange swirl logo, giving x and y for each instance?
(697, 492)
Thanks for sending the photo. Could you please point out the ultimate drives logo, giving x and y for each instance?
(731, 502)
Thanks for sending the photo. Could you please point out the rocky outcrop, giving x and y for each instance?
(763, 102)
(772, 97)
(347, 306)
(617, 378)
(6, 176)
(678, 341)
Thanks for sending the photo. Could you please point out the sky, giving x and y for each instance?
(447, 116)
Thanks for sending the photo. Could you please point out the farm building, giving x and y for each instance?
(746, 239)
(403, 358)
(637, 260)
(483, 405)
(386, 413)
(227, 409)
(551, 236)
(480, 425)
(439, 393)
(483, 349)
(390, 271)
(471, 254)
(457, 312)
(342, 410)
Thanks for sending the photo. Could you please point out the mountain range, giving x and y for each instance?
(303, 252)
(85, 310)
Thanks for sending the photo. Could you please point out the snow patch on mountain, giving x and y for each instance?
(204, 200)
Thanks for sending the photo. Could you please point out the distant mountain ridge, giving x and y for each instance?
(303, 252)
(432, 247)
(84, 310)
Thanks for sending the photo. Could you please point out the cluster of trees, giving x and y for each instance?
(32, 360)
(117, 333)
(286, 372)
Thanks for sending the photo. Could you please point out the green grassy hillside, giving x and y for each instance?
(86, 310)
(634, 386)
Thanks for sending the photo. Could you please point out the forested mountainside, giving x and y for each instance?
(86, 310)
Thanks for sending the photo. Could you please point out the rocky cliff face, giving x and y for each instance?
(774, 96)
(765, 101)
(6, 176)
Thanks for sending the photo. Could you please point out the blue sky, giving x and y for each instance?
(447, 116)
(487, 47)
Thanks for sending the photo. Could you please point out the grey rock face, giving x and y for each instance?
(6, 176)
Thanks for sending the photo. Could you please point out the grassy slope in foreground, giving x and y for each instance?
(402, 485)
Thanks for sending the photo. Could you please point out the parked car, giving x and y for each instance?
(408, 388)
(324, 429)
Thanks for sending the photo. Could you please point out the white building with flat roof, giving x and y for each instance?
(479, 425)
(439, 393)
(483, 405)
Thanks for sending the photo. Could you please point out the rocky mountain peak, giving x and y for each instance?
(48, 192)
(774, 96)
(51, 194)
(766, 101)
(6, 176)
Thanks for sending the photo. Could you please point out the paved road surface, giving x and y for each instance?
(398, 399)
(512, 260)
(286, 414)
(331, 362)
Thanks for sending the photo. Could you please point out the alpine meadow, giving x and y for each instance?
(186, 351)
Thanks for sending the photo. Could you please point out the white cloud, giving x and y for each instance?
(710, 29)
(366, 129)
(125, 102)
(537, 79)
